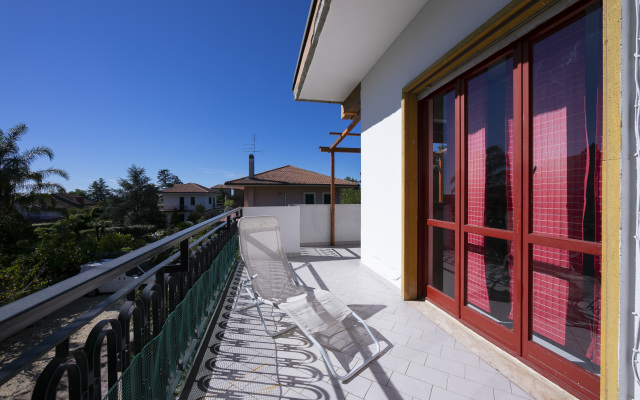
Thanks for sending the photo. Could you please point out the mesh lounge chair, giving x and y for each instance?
(272, 281)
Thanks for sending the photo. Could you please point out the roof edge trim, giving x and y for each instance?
(317, 16)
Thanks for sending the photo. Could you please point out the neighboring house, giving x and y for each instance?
(492, 126)
(288, 185)
(185, 197)
(61, 202)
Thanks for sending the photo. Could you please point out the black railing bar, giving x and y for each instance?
(35, 352)
(21, 313)
(176, 255)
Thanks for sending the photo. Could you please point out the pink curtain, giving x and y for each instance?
(561, 191)
(478, 100)
(477, 293)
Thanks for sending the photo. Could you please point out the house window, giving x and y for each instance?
(209, 200)
(309, 198)
(193, 201)
(326, 198)
(510, 194)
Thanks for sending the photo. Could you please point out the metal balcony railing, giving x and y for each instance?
(149, 345)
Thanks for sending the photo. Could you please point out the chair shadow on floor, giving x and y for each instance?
(247, 362)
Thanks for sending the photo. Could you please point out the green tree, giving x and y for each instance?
(197, 214)
(350, 195)
(136, 201)
(98, 191)
(78, 192)
(166, 179)
(176, 218)
(18, 183)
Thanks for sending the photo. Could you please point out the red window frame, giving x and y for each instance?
(426, 142)
(517, 341)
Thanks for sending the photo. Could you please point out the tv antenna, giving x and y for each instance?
(251, 147)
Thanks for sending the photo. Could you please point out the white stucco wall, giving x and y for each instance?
(289, 220)
(348, 224)
(438, 27)
(171, 200)
(315, 224)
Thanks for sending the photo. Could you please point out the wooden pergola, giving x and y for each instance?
(335, 149)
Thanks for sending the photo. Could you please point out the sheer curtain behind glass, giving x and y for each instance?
(566, 187)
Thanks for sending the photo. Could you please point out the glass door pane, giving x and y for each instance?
(565, 202)
(444, 157)
(490, 277)
(442, 272)
(567, 131)
(566, 305)
(489, 195)
(490, 167)
(441, 199)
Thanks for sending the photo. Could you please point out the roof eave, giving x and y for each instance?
(303, 47)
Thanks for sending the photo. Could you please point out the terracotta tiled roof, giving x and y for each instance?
(216, 187)
(68, 200)
(288, 175)
(187, 188)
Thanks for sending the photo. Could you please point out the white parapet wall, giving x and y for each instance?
(289, 219)
(310, 224)
(315, 224)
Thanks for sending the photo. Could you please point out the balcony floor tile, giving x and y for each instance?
(237, 360)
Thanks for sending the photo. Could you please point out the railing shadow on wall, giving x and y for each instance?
(135, 336)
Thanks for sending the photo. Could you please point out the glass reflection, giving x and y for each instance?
(490, 147)
(442, 274)
(567, 131)
(489, 277)
(566, 304)
(444, 159)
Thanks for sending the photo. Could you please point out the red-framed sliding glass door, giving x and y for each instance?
(563, 188)
(510, 196)
(490, 172)
(440, 206)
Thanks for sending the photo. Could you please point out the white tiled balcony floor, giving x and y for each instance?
(418, 360)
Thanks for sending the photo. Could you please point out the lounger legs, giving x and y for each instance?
(237, 299)
(356, 369)
(256, 303)
(270, 332)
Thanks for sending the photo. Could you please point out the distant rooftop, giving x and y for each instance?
(220, 186)
(289, 175)
(187, 188)
(69, 200)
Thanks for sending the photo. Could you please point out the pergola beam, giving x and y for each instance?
(340, 150)
(340, 133)
(346, 132)
(332, 150)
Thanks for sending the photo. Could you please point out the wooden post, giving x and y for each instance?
(333, 199)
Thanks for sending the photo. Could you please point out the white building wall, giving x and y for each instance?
(438, 27)
(348, 224)
(171, 200)
(289, 220)
(315, 224)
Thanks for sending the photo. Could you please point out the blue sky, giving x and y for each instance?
(163, 84)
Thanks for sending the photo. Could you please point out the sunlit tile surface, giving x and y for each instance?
(418, 361)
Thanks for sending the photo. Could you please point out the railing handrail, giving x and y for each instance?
(21, 313)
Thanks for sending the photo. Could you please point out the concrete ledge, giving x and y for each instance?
(525, 377)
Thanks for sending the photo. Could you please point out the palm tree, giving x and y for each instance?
(18, 183)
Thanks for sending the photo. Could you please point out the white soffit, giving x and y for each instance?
(355, 34)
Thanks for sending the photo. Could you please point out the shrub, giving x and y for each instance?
(115, 241)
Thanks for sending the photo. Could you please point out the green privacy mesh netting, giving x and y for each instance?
(156, 371)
